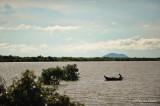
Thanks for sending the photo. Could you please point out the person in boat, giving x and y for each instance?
(120, 76)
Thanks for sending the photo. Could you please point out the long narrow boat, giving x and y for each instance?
(113, 79)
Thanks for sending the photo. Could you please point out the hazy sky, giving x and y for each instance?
(80, 28)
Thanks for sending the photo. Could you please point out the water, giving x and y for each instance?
(141, 84)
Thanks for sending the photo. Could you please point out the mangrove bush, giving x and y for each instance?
(55, 74)
(28, 92)
(70, 72)
(51, 75)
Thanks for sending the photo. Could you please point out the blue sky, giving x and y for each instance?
(80, 28)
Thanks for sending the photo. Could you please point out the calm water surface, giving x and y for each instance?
(141, 84)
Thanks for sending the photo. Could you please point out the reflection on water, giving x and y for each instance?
(141, 84)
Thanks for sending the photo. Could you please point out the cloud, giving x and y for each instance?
(49, 28)
(69, 39)
(133, 43)
(73, 40)
(60, 28)
(146, 26)
(3, 45)
(22, 48)
(25, 48)
(43, 46)
(114, 23)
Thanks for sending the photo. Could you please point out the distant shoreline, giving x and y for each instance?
(11, 58)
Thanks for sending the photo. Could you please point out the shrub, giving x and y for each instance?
(27, 92)
(54, 75)
(51, 75)
(2, 85)
(70, 72)
(3, 93)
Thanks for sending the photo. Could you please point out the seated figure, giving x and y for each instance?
(120, 76)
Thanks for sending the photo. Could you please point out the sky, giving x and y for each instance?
(80, 28)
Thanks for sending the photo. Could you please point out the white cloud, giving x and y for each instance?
(43, 46)
(26, 48)
(69, 39)
(18, 48)
(114, 23)
(2, 45)
(73, 40)
(146, 25)
(133, 43)
(49, 28)
(60, 28)
(22, 48)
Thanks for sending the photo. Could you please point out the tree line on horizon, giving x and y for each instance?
(40, 58)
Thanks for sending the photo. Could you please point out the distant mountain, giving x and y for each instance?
(115, 55)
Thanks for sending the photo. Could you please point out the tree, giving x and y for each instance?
(3, 93)
(71, 72)
(26, 90)
(51, 75)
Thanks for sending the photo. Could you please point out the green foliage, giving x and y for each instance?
(11, 58)
(27, 92)
(71, 72)
(2, 84)
(3, 92)
(53, 75)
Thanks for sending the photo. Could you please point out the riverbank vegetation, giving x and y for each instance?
(11, 58)
(25, 91)
(53, 75)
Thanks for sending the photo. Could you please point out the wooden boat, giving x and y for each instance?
(113, 79)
